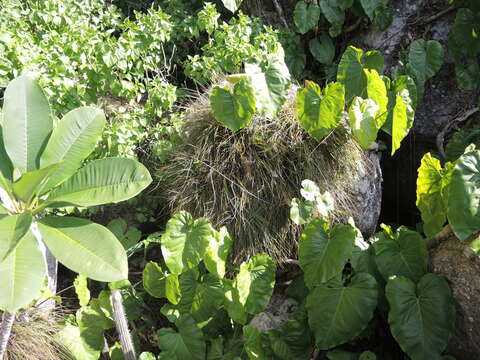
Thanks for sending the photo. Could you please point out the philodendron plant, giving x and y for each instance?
(40, 170)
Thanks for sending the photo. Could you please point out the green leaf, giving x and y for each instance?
(233, 304)
(81, 289)
(6, 167)
(232, 5)
(160, 284)
(362, 119)
(255, 282)
(12, 230)
(402, 119)
(70, 337)
(341, 355)
(463, 206)
(31, 183)
(270, 85)
(301, 211)
(338, 313)
(426, 57)
(421, 317)
(429, 197)
(22, 274)
(332, 12)
(116, 352)
(102, 182)
(322, 49)
(253, 343)
(85, 247)
(369, 6)
(323, 252)
(208, 298)
(405, 255)
(27, 122)
(377, 92)
(147, 356)
(185, 241)
(319, 113)
(463, 36)
(234, 110)
(217, 252)
(468, 75)
(74, 138)
(306, 16)
(187, 343)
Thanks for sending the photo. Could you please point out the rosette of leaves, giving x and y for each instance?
(41, 168)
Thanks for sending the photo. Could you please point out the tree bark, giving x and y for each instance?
(121, 325)
(5, 330)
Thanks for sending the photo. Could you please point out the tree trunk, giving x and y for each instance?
(5, 330)
(121, 325)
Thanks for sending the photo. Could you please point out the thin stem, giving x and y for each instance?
(122, 326)
(5, 330)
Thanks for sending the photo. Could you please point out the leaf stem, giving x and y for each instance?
(121, 324)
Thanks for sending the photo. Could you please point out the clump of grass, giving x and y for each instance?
(246, 180)
(33, 337)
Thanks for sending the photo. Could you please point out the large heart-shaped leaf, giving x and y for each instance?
(306, 16)
(185, 241)
(404, 255)
(426, 57)
(160, 284)
(322, 49)
(74, 138)
(338, 313)
(27, 122)
(12, 230)
(22, 274)
(234, 110)
(85, 247)
(369, 6)
(81, 345)
(362, 119)
(421, 317)
(323, 252)
(377, 91)
(429, 198)
(102, 182)
(270, 84)
(463, 196)
(333, 13)
(402, 118)
(207, 299)
(187, 343)
(320, 113)
(217, 252)
(31, 183)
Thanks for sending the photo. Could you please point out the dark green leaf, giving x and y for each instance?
(322, 49)
(306, 16)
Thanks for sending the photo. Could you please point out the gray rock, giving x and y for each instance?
(279, 309)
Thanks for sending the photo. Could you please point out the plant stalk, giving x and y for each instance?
(121, 325)
(5, 330)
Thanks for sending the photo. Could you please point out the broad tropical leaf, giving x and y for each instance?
(332, 12)
(324, 251)
(338, 313)
(85, 247)
(322, 49)
(31, 183)
(12, 230)
(185, 241)
(187, 343)
(81, 289)
(23, 273)
(74, 138)
(232, 5)
(362, 118)
(405, 255)
(377, 91)
(421, 316)
(429, 197)
(6, 167)
(306, 16)
(101, 182)
(81, 346)
(153, 278)
(402, 118)
(369, 6)
(217, 252)
(462, 196)
(27, 122)
(426, 57)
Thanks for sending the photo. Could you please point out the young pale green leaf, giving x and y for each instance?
(362, 119)
(338, 313)
(402, 118)
(323, 252)
(234, 110)
(461, 195)
(74, 138)
(301, 211)
(306, 16)
(185, 241)
(232, 5)
(83, 345)
(429, 197)
(27, 122)
(377, 91)
(270, 84)
(6, 167)
(85, 247)
(405, 255)
(81, 289)
(102, 182)
(12, 230)
(322, 49)
(217, 252)
(255, 283)
(147, 356)
(426, 57)
(319, 113)
(406, 82)
(234, 306)
(23, 273)
(187, 343)
(31, 183)
(421, 316)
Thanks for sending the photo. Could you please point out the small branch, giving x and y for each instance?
(5, 330)
(443, 235)
(279, 10)
(441, 134)
(437, 15)
(354, 26)
(122, 326)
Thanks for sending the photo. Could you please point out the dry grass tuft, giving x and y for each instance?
(246, 180)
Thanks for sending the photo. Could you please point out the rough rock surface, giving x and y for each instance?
(279, 309)
(461, 267)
